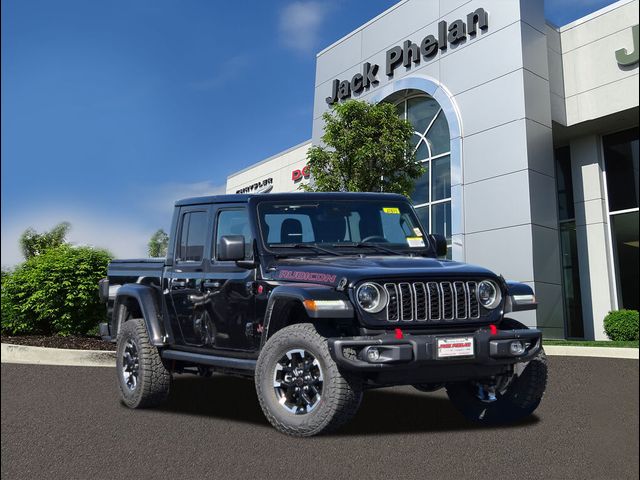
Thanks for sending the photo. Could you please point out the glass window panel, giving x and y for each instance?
(400, 109)
(565, 184)
(423, 216)
(235, 222)
(421, 191)
(442, 222)
(420, 112)
(184, 231)
(621, 163)
(422, 153)
(441, 178)
(438, 135)
(571, 280)
(196, 237)
(274, 227)
(624, 228)
(442, 219)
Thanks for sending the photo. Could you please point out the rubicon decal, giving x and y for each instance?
(306, 276)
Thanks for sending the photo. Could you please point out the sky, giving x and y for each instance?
(113, 110)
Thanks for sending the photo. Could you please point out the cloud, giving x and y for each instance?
(122, 237)
(300, 24)
(123, 231)
(228, 70)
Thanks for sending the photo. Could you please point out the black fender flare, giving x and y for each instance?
(309, 296)
(146, 299)
(520, 297)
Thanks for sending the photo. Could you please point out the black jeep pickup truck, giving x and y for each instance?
(319, 296)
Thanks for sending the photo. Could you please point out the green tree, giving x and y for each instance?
(55, 292)
(33, 243)
(158, 243)
(366, 149)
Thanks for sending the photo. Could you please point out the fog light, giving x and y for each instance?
(516, 348)
(373, 354)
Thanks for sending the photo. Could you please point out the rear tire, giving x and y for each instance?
(143, 379)
(300, 389)
(521, 397)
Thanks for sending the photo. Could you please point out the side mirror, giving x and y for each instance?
(439, 242)
(231, 248)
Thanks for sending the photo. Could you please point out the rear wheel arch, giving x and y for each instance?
(126, 308)
(139, 301)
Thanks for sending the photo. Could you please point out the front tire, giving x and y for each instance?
(143, 379)
(519, 399)
(300, 389)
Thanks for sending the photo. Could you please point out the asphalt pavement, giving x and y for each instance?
(67, 422)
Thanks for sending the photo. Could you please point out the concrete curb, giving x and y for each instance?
(101, 358)
(602, 352)
(57, 356)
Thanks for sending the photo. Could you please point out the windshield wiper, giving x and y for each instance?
(375, 246)
(313, 246)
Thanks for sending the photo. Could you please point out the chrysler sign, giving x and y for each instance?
(411, 53)
(263, 186)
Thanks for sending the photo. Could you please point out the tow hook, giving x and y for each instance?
(486, 393)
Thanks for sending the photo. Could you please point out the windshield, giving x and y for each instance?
(328, 226)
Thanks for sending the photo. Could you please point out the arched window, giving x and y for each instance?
(432, 193)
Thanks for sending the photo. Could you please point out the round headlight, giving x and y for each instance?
(489, 294)
(371, 297)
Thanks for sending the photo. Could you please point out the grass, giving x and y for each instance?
(591, 343)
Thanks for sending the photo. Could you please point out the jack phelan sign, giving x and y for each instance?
(411, 53)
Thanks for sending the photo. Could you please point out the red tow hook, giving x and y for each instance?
(494, 329)
(399, 334)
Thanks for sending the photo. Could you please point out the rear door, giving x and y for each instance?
(229, 288)
(185, 278)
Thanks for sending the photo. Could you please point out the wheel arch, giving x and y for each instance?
(290, 304)
(139, 301)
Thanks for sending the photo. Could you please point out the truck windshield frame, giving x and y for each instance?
(380, 226)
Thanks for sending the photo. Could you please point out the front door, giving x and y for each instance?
(185, 278)
(228, 288)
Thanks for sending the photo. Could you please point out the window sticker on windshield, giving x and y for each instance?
(417, 232)
(415, 241)
(391, 210)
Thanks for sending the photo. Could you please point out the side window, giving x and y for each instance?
(193, 236)
(235, 222)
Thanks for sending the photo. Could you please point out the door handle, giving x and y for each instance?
(211, 284)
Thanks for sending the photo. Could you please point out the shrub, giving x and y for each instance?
(622, 325)
(55, 292)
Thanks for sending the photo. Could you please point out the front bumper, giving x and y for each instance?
(415, 358)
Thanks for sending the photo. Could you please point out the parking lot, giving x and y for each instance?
(66, 422)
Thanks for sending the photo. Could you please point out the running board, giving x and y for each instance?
(211, 360)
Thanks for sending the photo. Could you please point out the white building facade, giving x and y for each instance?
(529, 136)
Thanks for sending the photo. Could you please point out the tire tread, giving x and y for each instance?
(154, 377)
(347, 390)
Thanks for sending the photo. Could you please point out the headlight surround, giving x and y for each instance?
(489, 294)
(371, 297)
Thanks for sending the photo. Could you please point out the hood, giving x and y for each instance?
(329, 270)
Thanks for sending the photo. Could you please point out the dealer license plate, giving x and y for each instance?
(455, 347)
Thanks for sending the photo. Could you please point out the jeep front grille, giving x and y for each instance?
(432, 301)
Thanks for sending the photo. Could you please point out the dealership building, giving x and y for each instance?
(528, 133)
